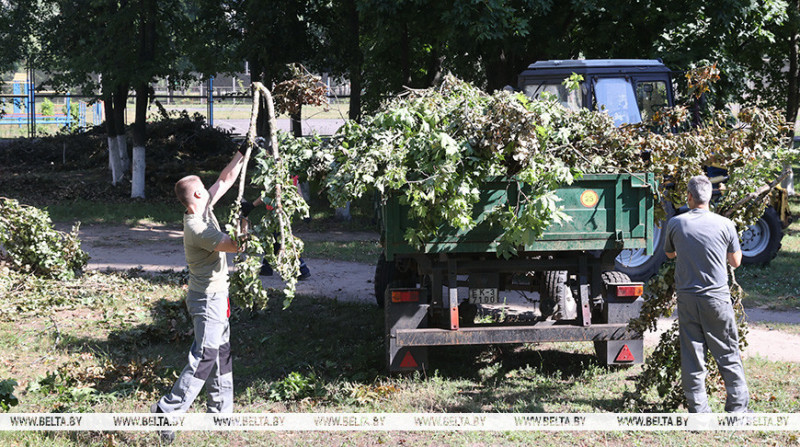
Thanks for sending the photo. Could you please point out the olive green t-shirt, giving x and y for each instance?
(208, 269)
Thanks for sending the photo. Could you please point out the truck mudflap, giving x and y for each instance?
(405, 309)
(623, 302)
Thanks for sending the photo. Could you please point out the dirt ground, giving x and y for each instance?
(156, 248)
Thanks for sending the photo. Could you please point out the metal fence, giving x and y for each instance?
(22, 106)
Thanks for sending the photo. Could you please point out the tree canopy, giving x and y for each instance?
(383, 45)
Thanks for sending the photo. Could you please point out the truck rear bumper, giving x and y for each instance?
(546, 331)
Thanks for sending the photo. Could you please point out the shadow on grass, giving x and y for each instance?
(337, 342)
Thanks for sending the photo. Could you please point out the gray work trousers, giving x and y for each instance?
(209, 357)
(709, 324)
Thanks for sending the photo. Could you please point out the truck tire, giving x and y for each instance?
(762, 240)
(386, 273)
(639, 266)
(615, 277)
(555, 296)
(609, 277)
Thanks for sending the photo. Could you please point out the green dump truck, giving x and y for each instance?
(431, 295)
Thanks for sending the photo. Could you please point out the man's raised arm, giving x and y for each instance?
(226, 177)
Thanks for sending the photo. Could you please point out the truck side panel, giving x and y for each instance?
(608, 211)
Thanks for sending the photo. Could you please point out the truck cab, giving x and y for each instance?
(630, 90)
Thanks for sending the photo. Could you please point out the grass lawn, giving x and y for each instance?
(365, 252)
(114, 342)
(225, 110)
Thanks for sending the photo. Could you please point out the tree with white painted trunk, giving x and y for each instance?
(105, 48)
(147, 34)
(87, 63)
(115, 96)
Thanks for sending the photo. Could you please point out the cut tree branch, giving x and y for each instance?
(273, 138)
(759, 193)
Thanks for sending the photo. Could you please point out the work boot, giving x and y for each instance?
(266, 270)
(167, 436)
(305, 273)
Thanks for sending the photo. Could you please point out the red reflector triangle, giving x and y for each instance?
(625, 355)
(408, 361)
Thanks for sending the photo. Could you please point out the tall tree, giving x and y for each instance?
(339, 27)
(141, 41)
(19, 22)
(774, 68)
(738, 35)
(489, 42)
(95, 63)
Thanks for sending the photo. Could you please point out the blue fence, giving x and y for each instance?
(24, 113)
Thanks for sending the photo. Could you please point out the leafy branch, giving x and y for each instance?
(274, 230)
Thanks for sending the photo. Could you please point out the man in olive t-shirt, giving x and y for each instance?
(703, 243)
(205, 246)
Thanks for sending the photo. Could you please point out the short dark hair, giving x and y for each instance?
(184, 188)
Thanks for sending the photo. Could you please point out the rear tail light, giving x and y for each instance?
(405, 296)
(628, 290)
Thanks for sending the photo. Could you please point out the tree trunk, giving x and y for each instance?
(794, 87)
(114, 162)
(343, 213)
(147, 45)
(434, 66)
(139, 140)
(120, 104)
(356, 61)
(296, 120)
(405, 57)
(501, 72)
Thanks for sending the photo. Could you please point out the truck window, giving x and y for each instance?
(571, 100)
(651, 97)
(615, 96)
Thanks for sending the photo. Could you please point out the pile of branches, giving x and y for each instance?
(30, 244)
(64, 151)
(177, 143)
(434, 148)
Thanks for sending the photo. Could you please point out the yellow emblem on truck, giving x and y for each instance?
(589, 198)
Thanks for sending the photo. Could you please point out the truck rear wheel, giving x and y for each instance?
(640, 266)
(762, 240)
(613, 277)
(387, 273)
(555, 296)
(636, 263)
